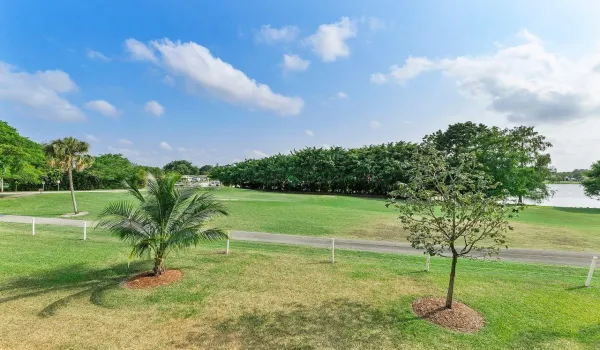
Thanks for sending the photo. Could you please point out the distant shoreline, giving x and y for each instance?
(563, 183)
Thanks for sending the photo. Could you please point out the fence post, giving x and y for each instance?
(33, 226)
(227, 249)
(333, 250)
(591, 273)
(427, 262)
(84, 230)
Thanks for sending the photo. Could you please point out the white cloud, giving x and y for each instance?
(139, 51)
(125, 142)
(197, 65)
(295, 63)
(329, 41)
(256, 154)
(165, 146)
(96, 55)
(169, 80)
(270, 35)
(526, 83)
(309, 133)
(103, 107)
(378, 78)
(341, 95)
(326, 146)
(155, 108)
(127, 152)
(39, 93)
(91, 138)
(375, 24)
(374, 124)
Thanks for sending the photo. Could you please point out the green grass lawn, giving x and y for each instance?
(341, 216)
(57, 291)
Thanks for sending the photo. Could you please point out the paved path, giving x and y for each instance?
(513, 254)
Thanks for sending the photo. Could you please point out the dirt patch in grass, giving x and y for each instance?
(149, 280)
(460, 318)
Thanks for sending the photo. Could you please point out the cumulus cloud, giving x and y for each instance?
(378, 78)
(125, 142)
(139, 51)
(526, 82)
(165, 146)
(39, 93)
(91, 138)
(294, 63)
(103, 107)
(341, 95)
(329, 41)
(270, 35)
(375, 24)
(309, 133)
(155, 108)
(374, 124)
(96, 55)
(196, 64)
(256, 154)
(127, 152)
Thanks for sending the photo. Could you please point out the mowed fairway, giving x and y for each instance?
(334, 216)
(57, 291)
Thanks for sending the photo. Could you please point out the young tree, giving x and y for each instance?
(165, 219)
(68, 155)
(452, 208)
(591, 181)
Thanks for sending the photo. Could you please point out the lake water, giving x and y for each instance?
(569, 195)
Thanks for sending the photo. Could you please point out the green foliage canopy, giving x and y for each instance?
(450, 206)
(591, 181)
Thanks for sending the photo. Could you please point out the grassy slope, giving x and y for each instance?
(58, 291)
(322, 215)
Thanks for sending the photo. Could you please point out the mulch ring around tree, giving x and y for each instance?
(149, 280)
(460, 318)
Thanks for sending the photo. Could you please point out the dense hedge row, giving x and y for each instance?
(373, 170)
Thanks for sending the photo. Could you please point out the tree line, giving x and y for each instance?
(25, 165)
(515, 158)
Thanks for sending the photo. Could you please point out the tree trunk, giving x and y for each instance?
(2, 184)
(159, 266)
(450, 294)
(520, 199)
(72, 190)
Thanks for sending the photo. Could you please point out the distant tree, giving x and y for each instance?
(69, 155)
(183, 167)
(591, 181)
(515, 158)
(20, 158)
(164, 219)
(110, 171)
(205, 169)
(451, 207)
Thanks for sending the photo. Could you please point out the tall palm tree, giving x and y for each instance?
(164, 219)
(68, 155)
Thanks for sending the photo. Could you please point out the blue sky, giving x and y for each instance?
(210, 81)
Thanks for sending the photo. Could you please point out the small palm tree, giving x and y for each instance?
(164, 219)
(68, 155)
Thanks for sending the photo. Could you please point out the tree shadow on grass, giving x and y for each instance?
(338, 323)
(545, 339)
(81, 280)
(578, 210)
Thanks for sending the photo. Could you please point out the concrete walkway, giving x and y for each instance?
(512, 254)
